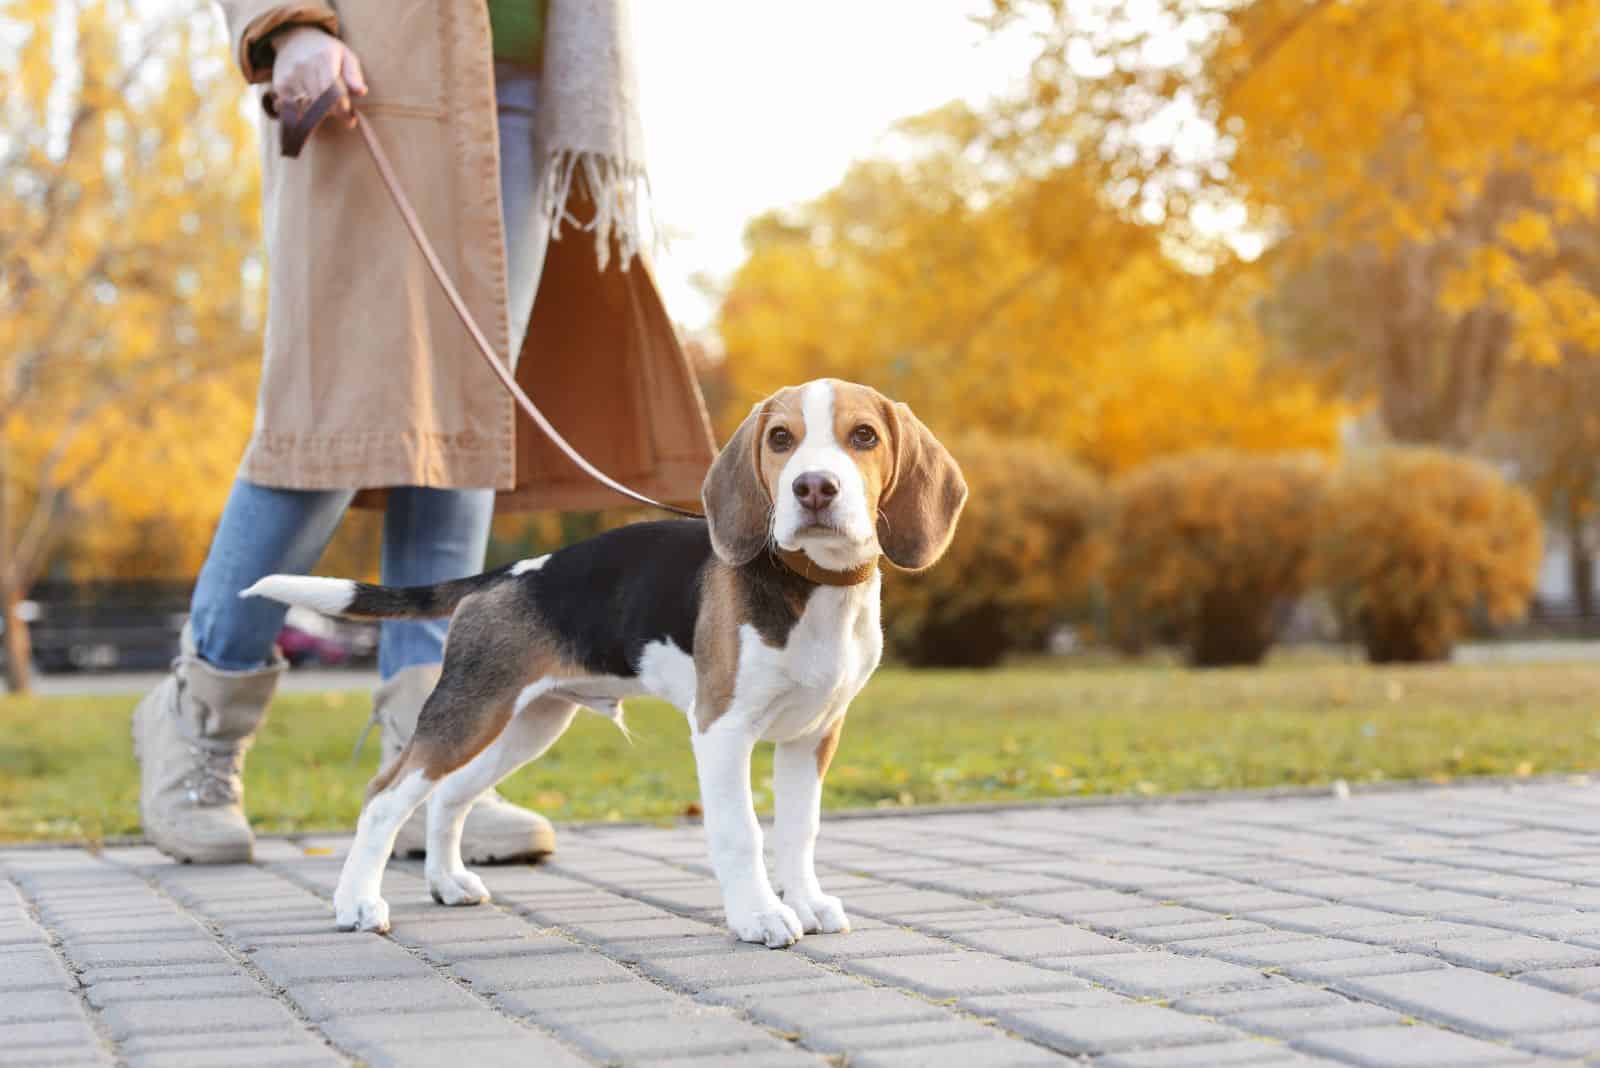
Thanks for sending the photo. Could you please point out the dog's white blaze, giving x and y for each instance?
(820, 451)
(524, 566)
(327, 595)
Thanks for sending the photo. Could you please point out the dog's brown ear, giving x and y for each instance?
(918, 513)
(737, 506)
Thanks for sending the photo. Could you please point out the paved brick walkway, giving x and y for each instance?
(1449, 927)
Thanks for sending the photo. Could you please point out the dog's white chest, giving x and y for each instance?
(831, 653)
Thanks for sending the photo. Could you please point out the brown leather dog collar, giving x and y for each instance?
(811, 571)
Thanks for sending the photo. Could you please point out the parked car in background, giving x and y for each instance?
(309, 638)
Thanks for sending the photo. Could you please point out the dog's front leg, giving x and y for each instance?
(797, 770)
(722, 758)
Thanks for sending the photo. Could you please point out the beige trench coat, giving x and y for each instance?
(369, 380)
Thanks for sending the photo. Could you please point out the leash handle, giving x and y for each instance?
(297, 121)
(295, 125)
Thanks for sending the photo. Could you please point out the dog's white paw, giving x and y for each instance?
(774, 926)
(819, 914)
(361, 913)
(457, 888)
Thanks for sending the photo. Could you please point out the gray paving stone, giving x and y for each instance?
(1416, 935)
(187, 951)
(1423, 902)
(1405, 1047)
(58, 1035)
(1329, 971)
(38, 1005)
(1248, 1051)
(167, 1042)
(223, 1055)
(1108, 1028)
(985, 883)
(954, 974)
(520, 1052)
(847, 1035)
(1150, 915)
(778, 1058)
(1306, 1020)
(1513, 955)
(1247, 900)
(1189, 932)
(151, 988)
(1584, 1043)
(951, 924)
(608, 999)
(362, 957)
(1074, 904)
(1280, 995)
(751, 964)
(1160, 975)
(326, 998)
(901, 900)
(858, 1004)
(553, 969)
(1566, 980)
(1474, 1002)
(884, 941)
(117, 973)
(996, 1053)
(675, 1034)
(1324, 919)
(32, 969)
(637, 949)
(221, 1015)
(1027, 943)
(1277, 954)
(1546, 925)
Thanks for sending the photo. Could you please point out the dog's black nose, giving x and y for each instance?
(816, 489)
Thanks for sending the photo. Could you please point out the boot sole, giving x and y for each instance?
(224, 855)
(543, 844)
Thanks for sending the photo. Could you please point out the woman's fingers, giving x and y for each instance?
(355, 83)
(354, 80)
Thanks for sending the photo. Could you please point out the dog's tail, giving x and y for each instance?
(361, 600)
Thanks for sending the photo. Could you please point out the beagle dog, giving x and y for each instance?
(759, 622)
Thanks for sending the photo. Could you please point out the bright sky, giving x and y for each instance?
(754, 104)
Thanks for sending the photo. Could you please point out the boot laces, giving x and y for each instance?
(214, 779)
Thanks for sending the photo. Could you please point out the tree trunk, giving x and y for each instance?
(1580, 562)
(19, 649)
(1405, 641)
(1233, 630)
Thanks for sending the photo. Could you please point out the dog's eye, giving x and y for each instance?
(863, 437)
(779, 439)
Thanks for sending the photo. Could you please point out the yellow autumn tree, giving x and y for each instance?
(1424, 172)
(1012, 295)
(130, 284)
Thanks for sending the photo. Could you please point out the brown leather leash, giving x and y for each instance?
(295, 125)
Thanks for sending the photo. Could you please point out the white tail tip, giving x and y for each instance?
(330, 596)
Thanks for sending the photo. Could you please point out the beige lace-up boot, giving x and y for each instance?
(497, 831)
(190, 735)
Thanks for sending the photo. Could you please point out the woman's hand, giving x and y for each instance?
(308, 61)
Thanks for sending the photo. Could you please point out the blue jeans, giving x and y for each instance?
(429, 535)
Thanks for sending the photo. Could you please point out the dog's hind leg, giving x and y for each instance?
(532, 730)
(485, 666)
(358, 903)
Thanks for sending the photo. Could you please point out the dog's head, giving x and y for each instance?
(839, 472)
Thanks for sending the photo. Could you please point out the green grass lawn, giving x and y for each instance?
(1031, 731)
